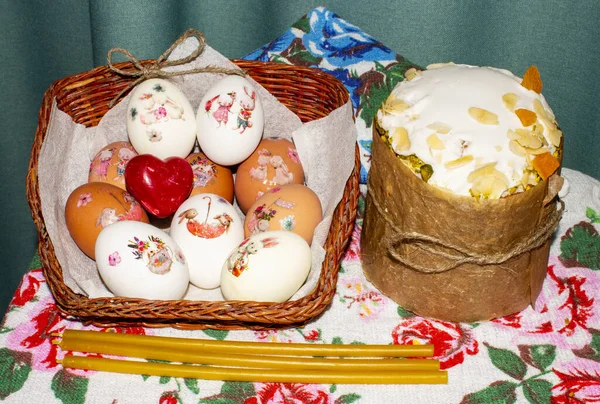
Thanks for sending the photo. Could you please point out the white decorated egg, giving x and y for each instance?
(160, 120)
(138, 260)
(266, 267)
(207, 228)
(230, 121)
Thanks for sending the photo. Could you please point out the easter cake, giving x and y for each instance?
(462, 192)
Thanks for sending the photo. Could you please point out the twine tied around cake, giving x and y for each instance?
(457, 255)
(145, 71)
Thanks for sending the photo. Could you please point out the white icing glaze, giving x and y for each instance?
(445, 94)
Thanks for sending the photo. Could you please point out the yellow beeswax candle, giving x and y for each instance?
(247, 347)
(250, 361)
(254, 375)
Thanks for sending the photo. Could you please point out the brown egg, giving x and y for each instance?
(274, 163)
(293, 207)
(210, 177)
(110, 162)
(95, 205)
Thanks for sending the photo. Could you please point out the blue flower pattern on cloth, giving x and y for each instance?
(340, 43)
(368, 69)
(365, 145)
(273, 48)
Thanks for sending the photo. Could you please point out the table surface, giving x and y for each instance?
(547, 354)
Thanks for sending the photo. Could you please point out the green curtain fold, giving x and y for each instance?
(43, 41)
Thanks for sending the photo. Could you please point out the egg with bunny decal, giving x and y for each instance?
(274, 163)
(160, 120)
(109, 163)
(293, 207)
(266, 267)
(138, 260)
(230, 121)
(206, 227)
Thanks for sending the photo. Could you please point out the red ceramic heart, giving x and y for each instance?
(159, 185)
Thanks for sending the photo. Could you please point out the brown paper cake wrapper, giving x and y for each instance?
(453, 257)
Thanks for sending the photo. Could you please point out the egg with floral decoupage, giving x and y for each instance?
(109, 163)
(292, 207)
(274, 163)
(93, 206)
(138, 260)
(207, 228)
(160, 120)
(230, 121)
(266, 267)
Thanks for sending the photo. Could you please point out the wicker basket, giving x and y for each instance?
(310, 94)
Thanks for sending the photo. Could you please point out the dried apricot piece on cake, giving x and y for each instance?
(526, 116)
(532, 79)
(545, 164)
(453, 120)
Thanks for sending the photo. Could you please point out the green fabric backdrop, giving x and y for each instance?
(42, 41)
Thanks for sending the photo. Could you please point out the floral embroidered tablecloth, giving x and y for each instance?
(542, 355)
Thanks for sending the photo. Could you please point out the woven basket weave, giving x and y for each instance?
(310, 94)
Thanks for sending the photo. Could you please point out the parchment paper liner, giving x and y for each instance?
(325, 146)
(468, 292)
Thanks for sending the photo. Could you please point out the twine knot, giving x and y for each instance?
(459, 255)
(155, 69)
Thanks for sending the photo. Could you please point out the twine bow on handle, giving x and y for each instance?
(155, 69)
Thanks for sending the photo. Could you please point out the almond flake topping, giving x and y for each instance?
(394, 105)
(534, 152)
(512, 135)
(400, 140)
(527, 178)
(459, 162)
(485, 169)
(489, 186)
(510, 100)
(411, 74)
(439, 127)
(483, 116)
(516, 148)
(555, 135)
(488, 182)
(435, 143)
(438, 65)
(538, 130)
(528, 138)
(543, 115)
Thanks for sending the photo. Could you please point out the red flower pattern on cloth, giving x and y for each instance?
(290, 393)
(358, 296)
(565, 310)
(168, 397)
(579, 382)
(452, 341)
(28, 287)
(353, 250)
(276, 336)
(312, 335)
(35, 336)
